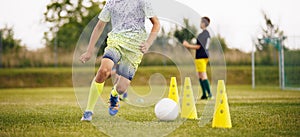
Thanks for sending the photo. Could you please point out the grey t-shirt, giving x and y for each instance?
(202, 39)
(127, 16)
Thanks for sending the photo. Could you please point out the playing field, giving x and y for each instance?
(266, 111)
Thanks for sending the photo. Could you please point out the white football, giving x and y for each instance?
(166, 109)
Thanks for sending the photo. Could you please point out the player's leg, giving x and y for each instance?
(92, 99)
(126, 68)
(131, 57)
(115, 78)
(124, 79)
(119, 89)
(206, 84)
(111, 56)
(104, 70)
(204, 96)
(204, 78)
(199, 68)
(124, 97)
(97, 87)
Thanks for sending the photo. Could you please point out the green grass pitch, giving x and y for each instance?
(266, 111)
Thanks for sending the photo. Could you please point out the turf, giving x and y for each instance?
(265, 111)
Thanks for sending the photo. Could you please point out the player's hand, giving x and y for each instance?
(185, 43)
(85, 57)
(144, 47)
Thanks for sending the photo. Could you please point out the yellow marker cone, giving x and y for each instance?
(220, 90)
(188, 103)
(173, 91)
(221, 117)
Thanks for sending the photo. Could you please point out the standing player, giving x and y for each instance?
(127, 42)
(201, 58)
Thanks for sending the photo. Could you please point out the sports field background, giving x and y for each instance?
(62, 77)
(30, 108)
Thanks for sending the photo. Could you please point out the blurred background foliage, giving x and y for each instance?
(8, 42)
(67, 19)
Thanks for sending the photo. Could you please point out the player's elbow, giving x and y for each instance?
(156, 24)
(156, 27)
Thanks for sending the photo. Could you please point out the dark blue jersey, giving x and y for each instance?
(202, 52)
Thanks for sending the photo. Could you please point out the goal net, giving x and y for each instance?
(292, 63)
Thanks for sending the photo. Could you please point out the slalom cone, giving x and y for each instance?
(221, 89)
(221, 117)
(173, 90)
(188, 103)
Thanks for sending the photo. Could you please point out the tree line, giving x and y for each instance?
(67, 19)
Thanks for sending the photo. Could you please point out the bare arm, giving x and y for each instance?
(93, 40)
(154, 31)
(191, 46)
(95, 35)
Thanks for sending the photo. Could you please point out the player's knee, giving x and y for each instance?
(102, 75)
(122, 88)
(104, 72)
(99, 79)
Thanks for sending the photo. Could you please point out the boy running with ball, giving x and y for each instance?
(127, 43)
(202, 56)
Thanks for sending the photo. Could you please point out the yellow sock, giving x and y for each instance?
(99, 87)
(95, 91)
(114, 92)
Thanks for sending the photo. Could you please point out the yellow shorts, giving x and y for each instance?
(201, 64)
